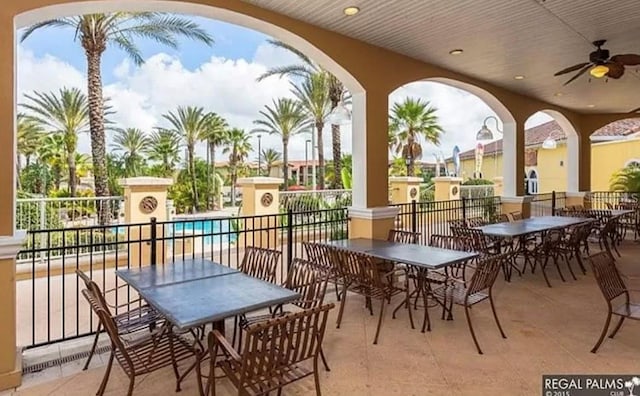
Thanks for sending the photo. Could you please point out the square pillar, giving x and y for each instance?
(260, 197)
(372, 223)
(144, 198)
(447, 188)
(516, 204)
(575, 199)
(404, 189)
(10, 362)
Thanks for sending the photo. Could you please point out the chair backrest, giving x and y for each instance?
(458, 223)
(552, 239)
(261, 263)
(95, 290)
(502, 218)
(607, 276)
(274, 347)
(476, 222)
(476, 237)
(486, 272)
(402, 236)
(358, 268)
(306, 279)
(514, 216)
(451, 242)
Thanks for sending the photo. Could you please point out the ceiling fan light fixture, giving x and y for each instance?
(599, 71)
(549, 144)
(351, 10)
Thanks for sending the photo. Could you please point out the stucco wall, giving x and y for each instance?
(610, 157)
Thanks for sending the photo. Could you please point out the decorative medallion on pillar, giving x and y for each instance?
(454, 190)
(148, 204)
(266, 200)
(413, 192)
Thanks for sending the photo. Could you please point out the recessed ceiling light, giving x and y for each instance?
(591, 106)
(456, 51)
(519, 77)
(558, 94)
(351, 11)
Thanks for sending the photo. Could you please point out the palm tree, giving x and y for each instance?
(29, 138)
(65, 113)
(191, 124)
(270, 157)
(52, 153)
(626, 179)
(95, 32)
(409, 121)
(132, 142)
(238, 148)
(215, 136)
(83, 165)
(164, 147)
(313, 95)
(285, 118)
(336, 92)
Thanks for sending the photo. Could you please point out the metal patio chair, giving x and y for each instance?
(274, 353)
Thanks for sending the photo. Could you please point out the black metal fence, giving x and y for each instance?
(546, 204)
(607, 199)
(430, 218)
(49, 302)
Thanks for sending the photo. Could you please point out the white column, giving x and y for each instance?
(359, 150)
(509, 159)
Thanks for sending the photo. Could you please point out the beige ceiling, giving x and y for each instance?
(500, 38)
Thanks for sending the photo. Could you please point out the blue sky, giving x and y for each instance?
(231, 41)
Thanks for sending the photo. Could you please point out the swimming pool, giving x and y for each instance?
(213, 231)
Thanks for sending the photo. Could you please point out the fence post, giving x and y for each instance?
(289, 238)
(43, 226)
(553, 203)
(414, 216)
(464, 207)
(154, 237)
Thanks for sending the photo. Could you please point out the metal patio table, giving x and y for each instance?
(194, 293)
(424, 258)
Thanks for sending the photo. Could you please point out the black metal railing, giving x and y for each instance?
(547, 204)
(611, 199)
(430, 218)
(49, 303)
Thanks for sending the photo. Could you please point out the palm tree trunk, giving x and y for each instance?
(320, 181)
(96, 123)
(285, 163)
(71, 164)
(192, 172)
(213, 173)
(337, 157)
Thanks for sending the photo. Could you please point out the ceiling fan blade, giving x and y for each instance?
(635, 110)
(616, 70)
(578, 74)
(627, 59)
(572, 68)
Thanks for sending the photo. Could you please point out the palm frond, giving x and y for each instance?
(128, 46)
(59, 22)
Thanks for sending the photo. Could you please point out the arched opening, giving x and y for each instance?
(531, 182)
(447, 97)
(614, 148)
(552, 147)
(317, 55)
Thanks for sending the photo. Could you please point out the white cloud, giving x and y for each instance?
(140, 95)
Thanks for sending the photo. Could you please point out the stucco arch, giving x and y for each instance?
(191, 8)
(508, 120)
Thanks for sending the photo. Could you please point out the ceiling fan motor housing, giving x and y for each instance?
(599, 56)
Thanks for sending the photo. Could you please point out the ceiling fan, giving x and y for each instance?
(601, 65)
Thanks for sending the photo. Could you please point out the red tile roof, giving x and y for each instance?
(536, 135)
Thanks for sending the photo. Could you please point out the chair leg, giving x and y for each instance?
(342, 302)
(316, 378)
(105, 379)
(495, 316)
(408, 303)
(566, 258)
(93, 347)
(132, 382)
(473, 334)
(555, 262)
(615, 330)
(426, 322)
(382, 304)
(579, 259)
(544, 272)
(174, 364)
(604, 332)
(324, 360)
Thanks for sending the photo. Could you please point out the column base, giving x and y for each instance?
(575, 199)
(12, 379)
(372, 223)
(517, 204)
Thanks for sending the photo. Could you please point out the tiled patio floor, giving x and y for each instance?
(549, 331)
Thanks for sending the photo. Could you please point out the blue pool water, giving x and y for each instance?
(213, 231)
